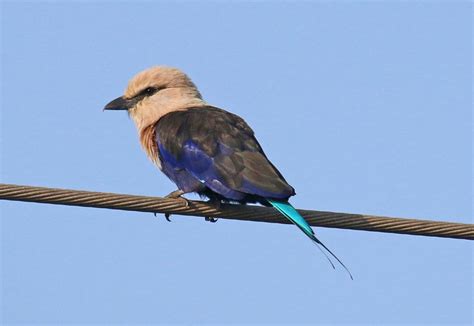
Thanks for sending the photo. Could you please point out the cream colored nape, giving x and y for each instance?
(177, 93)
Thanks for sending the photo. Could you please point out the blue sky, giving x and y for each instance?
(365, 107)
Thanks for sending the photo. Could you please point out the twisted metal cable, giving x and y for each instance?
(236, 212)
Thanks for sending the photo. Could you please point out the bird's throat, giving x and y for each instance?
(148, 142)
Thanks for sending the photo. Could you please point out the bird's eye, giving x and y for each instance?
(147, 92)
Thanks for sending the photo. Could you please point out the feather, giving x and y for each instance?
(292, 214)
(147, 140)
(220, 150)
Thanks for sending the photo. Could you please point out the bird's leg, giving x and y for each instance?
(177, 194)
(217, 204)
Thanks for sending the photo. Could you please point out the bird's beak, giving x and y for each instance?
(120, 103)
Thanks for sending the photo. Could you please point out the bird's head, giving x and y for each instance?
(155, 92)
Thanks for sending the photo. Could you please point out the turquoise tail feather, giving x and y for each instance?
(292, 214)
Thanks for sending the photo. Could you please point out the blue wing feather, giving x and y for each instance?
(218, 150)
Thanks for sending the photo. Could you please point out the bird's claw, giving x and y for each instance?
(217, 205)
(167, 216)
(185, 201)
(211, 219)
(177, 194)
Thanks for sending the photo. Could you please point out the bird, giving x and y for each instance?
(204, 149)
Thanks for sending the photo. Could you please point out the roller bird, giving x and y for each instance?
(202, 148)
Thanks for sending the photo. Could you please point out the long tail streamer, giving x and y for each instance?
(292, 214)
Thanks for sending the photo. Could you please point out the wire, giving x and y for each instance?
(235, 212)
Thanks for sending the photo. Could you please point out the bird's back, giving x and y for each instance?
(218, 149)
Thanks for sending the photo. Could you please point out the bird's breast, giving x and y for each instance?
(148, 142)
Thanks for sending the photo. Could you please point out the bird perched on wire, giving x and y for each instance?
(202, 148)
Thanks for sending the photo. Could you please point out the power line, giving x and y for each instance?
(236, 212)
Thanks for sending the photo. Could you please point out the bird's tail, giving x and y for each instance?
(292, 214)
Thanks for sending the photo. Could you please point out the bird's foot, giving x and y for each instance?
(177, 194)
(217, 204)
(167, 216)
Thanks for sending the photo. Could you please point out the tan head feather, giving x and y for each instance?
(174, 92)
(154, 93)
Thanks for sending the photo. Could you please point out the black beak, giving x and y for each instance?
(120, 103)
